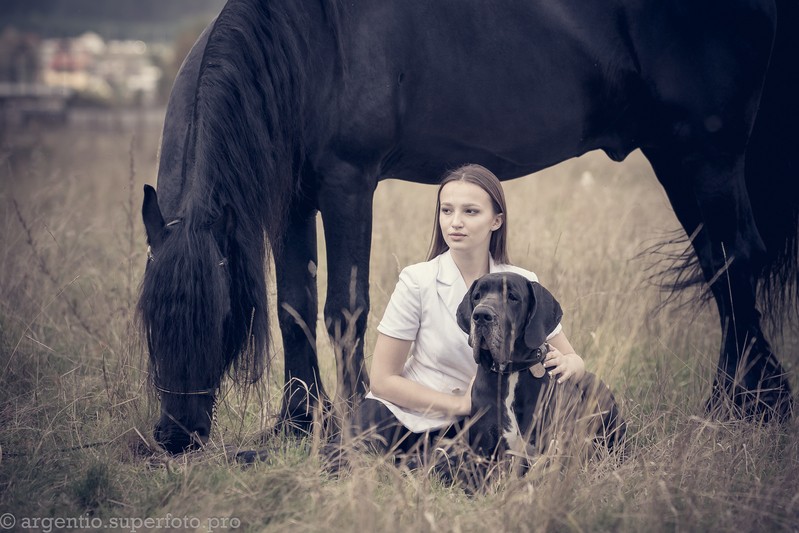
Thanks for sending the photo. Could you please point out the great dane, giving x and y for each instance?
(517, 406)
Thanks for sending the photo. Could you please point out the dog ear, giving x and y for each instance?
(465, 308)
(543, 315)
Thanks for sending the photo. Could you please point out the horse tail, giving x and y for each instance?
(772, 176)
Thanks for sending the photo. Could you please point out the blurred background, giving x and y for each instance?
(86, 63)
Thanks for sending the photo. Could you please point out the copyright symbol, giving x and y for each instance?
(7, 521)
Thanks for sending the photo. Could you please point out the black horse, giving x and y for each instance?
(285, 108)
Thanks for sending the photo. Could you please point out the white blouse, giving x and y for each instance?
(422, 309)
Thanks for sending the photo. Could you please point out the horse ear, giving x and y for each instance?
(464, 314)
(543, 315)
(151, 215)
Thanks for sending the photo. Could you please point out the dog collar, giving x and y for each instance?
(539, 355)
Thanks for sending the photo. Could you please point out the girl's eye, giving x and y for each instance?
(472, 211)
(446, 210)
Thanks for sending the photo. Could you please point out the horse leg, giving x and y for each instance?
(346, 207)
(709, 197)
(296, 263)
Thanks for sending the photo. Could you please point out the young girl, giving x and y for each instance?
(423, 367)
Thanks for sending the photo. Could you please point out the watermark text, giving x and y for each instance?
(131, 524)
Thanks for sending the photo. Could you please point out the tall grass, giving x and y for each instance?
(76, 419)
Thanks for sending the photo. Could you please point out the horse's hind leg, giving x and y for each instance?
(709, 196)
(296, 263)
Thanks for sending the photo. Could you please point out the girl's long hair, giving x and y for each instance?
(486, 180)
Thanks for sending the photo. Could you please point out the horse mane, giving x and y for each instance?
(245, 152)
(248, 116)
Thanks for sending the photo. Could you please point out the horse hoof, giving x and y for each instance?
(765, 405)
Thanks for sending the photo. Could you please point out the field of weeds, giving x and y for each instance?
(76, 417)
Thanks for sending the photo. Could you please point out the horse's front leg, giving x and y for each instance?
(710, 199)
(345, 202)
(296, 264)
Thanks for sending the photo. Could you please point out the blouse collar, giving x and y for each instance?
(448, 272)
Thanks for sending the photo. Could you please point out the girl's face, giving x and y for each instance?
(467, 217)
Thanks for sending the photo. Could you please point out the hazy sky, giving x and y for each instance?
(112, 18)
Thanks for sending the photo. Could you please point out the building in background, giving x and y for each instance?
(122, 73)
(77, 80)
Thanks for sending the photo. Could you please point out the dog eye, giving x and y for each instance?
(476, 296)
(512, 297)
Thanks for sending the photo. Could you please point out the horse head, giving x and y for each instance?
(193, 317)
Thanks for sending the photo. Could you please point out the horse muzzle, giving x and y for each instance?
(178, 438)
(185, 422)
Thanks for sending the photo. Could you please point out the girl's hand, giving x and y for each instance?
(466, 400)
(564, 366)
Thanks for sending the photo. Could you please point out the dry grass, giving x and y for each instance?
(75, 419)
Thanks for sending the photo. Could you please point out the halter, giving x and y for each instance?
(540, 353)
(151, 255)
(201, 392)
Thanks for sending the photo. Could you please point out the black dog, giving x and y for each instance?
(516, 406)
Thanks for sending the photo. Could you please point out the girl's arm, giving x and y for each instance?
(562, 361)
(387, 382)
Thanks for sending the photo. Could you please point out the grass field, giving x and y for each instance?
(76, 418)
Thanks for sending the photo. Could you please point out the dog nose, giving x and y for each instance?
(482, 316)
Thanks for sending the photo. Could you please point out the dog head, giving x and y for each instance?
(507, 317)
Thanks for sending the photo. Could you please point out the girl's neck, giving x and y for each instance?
(471, 265)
